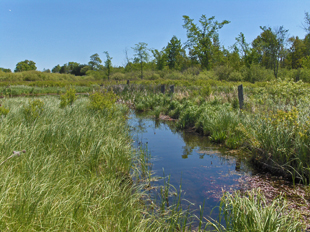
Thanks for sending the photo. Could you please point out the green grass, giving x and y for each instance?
(252, 213)
(274, 124)
(77, 172)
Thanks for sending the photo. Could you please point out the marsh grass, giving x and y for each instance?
(274, 126)
(76, 173)
(251, 212)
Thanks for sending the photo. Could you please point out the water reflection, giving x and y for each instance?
(204, 169)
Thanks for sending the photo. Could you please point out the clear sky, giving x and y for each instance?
(52, 32)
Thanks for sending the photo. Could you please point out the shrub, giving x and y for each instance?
(223, 72)
(235, 76)
(3, 111)
(101, 101)
(68, 98)
(118, 76)
(256, 73)
(206, 90)
(192, 71)
(33, 110)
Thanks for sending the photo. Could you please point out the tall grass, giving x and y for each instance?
(75, 175)
(253, 213)
(274, 124)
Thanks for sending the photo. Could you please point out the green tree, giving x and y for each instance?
(95, 62)
(233, 58)
(203, 41)
(73, 67)
(160, 59)
(64, 69)
(243, 48)
(26, 65)
(306, 26)
(175, 54)
(141, 55)
(297, 52)
(84, 69)
(108, 64)
(270, 44)
(56, 69)
(6, 70)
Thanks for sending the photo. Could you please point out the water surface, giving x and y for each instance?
(204, 169)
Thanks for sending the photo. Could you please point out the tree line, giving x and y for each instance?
(271, 49)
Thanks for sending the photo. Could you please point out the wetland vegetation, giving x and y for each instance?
(74, 167)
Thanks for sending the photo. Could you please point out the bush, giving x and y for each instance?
(101, 101)
(118, 76)
(223, 72)
(235, 76)
(33, 110)
(97, 75)
(3, 111)
(192, 71)
(206, 90)
(304, 75)
(256, 73)
(68, 98)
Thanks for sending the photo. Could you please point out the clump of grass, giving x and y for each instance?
(3, 111)
(157, 112)
(33, 110)
(252, 212)
(68, 98)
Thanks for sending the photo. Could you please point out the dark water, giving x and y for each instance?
(204, 169)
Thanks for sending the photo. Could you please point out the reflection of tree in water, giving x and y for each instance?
(238, 164)
(194, 141)
(187, 150)
(139, 126)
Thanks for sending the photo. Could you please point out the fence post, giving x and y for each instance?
(162, 88)
(240, 96)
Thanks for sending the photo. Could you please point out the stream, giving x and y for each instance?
(203, 169)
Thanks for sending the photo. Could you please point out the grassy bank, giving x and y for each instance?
(77, 170)
(78, 158)
(273, 126)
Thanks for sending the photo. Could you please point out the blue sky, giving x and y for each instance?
(52, 32)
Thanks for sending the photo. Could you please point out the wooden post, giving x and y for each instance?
(128, 82)
(162, 88)
(240, 96)
(172, 89)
